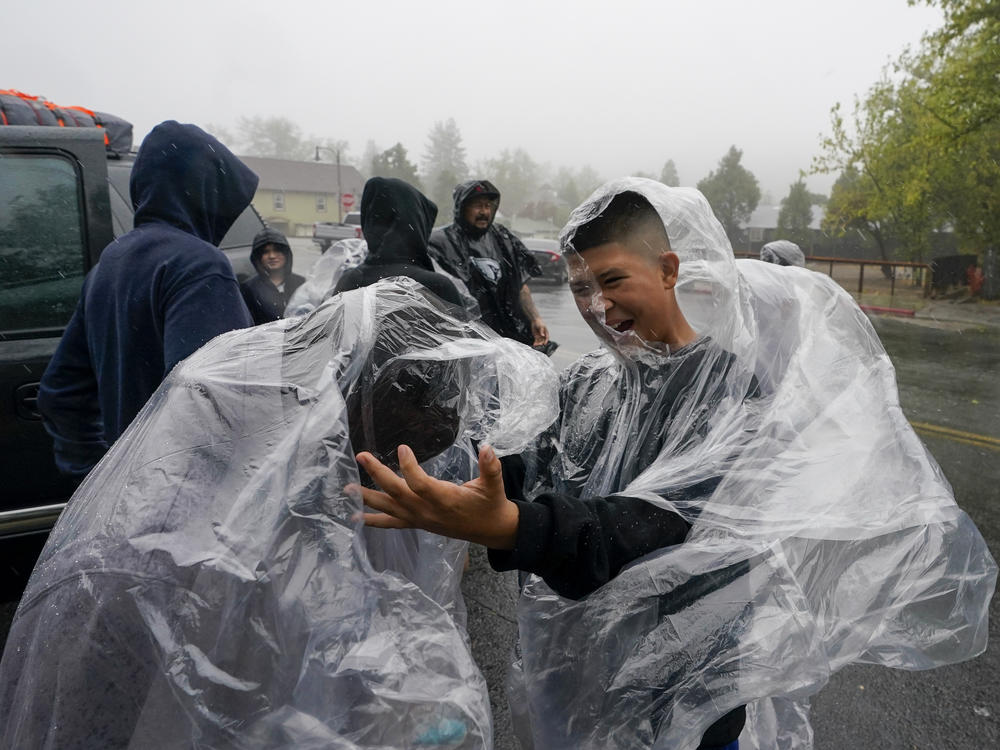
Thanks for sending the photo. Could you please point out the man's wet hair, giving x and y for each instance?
(627, 215)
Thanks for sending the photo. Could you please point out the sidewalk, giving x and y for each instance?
(972, 313)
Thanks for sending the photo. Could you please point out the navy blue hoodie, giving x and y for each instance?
(157, 294)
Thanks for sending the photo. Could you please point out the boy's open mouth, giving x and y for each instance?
(623, 326)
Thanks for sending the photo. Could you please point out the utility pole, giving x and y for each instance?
(340, 190)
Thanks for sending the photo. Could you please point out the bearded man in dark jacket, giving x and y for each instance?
(267, 293)
(157, 294)
(493, 263)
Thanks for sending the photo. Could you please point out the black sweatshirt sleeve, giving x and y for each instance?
(578, 545)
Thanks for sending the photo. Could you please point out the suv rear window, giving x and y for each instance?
(42, 253)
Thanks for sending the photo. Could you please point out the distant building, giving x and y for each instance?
(763, 227)
(292, 195)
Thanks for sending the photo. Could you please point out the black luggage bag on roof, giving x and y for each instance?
(18, 108)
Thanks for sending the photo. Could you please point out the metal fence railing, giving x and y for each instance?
(857, 276)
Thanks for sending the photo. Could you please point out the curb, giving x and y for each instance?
(888, 310)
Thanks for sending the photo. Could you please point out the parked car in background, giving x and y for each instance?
(549, 259)
(325, 233)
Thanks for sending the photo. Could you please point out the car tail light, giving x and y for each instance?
(357, 233)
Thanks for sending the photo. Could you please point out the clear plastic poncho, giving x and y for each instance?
(823, 532)
(206, 586)
(324, 275)
(783, 253)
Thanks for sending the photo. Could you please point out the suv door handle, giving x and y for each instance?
(26, 401)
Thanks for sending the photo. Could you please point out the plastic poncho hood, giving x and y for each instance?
(209, 575)
(325, 273)
(783, 253)
(823, 533)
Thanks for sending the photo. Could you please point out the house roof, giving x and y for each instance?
(302, 176)
(766, 217)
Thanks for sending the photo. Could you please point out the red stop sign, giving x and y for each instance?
(347, 200)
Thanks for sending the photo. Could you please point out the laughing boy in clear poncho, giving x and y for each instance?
(731, 507)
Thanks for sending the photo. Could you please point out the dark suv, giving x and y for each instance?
(62, 200)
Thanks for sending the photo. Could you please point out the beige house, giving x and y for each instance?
(292, 195)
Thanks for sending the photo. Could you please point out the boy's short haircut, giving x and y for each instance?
(627, 215)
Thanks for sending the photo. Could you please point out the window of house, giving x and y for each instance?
(279, 201)
(42, 250)
(321, 203)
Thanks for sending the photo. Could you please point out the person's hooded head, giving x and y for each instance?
(184, 177)
(476, 204)
(397, 220)
(783, 253)
(623, 273)
(271, 255)
(633, 229)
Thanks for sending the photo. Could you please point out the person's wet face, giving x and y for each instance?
(273, 258)
(479, 212)
(632, 286)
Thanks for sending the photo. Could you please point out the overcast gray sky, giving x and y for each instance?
(620, 85)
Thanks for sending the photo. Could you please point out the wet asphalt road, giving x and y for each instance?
(950, 390)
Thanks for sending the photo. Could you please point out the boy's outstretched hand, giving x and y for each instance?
(477, 511)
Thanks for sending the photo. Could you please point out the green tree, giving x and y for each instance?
(668, 175)
(279, 138)
(222, 133)
(274, 137)
(443, 165)
(733, 193)
(371, 153)
(796, 215)
(879, 162)
(516, 175)
(393, 162)
(925, 140)
(849, 209)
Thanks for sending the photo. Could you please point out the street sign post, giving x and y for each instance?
(347, 200)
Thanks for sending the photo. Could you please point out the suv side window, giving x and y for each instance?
(42, 249)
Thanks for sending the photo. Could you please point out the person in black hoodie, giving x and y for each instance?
(267, 293)
(493, 263)
(396, 219)
(157, 294)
